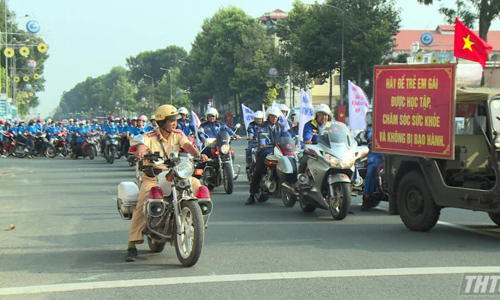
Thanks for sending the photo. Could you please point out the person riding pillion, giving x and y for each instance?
(165, 139)
(253, 133)
(275, 130)
(184, 124)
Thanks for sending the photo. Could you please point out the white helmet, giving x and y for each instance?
(49, 120)
(143, 118)
(322, 108)
(284, 108)
(273, 110)
(212, 111)
(183, 111)
(258, 114)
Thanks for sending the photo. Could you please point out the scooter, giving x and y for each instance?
(325, 172)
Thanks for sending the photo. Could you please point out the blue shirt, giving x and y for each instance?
(150, 128)
(212, 129)
(311, 131)
(253, 129)
(275, 133)
(186, 126)
(32, 129)
(111, 129)
(81, 131)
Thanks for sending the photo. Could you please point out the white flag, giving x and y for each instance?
(306, 112)
(282, 118)
(196, 123)
(358, 106)
(247, 115)
(264, 111)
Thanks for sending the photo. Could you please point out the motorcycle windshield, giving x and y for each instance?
(223, 138)
(336, 134)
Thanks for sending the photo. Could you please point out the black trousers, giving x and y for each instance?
(260, 170)
(31, 145)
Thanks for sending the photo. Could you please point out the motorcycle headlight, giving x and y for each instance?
(224, 149)
(345, 163)
(184, 169)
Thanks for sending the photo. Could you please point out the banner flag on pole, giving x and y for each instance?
(196, 123)
(306, 112)
(247, 116)
(358, 106)
(470, 46)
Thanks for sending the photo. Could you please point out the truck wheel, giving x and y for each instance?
(495, 218)
(417, 208)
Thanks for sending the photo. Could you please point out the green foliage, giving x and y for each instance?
(228, 57)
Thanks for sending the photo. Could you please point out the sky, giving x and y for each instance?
(87, 38)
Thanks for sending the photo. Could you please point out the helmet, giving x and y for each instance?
(81, 122)
(39, 121)
(273, 110)
(322, 108)
(71, 120)
(133, 118)
(258, 114)
(283, 107)
(152, 118)
(1, 122)
(32, 121)
(183, 111)
(111, 117)
(60, 122)
(94, 120)
(167, 112)
(117, 119)
(49, 120)
(212, 111)
(143, 118)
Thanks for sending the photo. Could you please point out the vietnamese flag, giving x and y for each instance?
(341, 113)
(469, 46)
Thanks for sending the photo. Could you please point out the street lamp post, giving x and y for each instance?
(153, 85)
(341, 56)
(169, 70)
(292, 97)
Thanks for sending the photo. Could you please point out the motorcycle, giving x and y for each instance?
(172, 213)
(19, 147)
(324, 175)
(220, 169)
(111, 147)
(60, 143)
(43, 146)
(89, 147)
(251, 167)
(270, 183)
(8, 144)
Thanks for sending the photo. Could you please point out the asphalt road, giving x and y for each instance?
(69, 243)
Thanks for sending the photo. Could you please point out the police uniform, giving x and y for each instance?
(212, 129)
(253, 132)
(154, 141)
(186, 126)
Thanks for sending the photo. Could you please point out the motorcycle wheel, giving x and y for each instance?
(306, 207)
(90, 152)
(340, 202)
(64, 151)
(155, 246)
(189, 243)
(50, 151)
(228, 178)
(131, 163)
(19, 151)
(288, 198)
(112, 155)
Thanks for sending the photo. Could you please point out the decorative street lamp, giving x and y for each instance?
(341, 57)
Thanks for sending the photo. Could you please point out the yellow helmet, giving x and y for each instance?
(167, 112)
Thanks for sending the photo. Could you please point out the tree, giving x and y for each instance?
(486, 12)
(123, 93)
(228, 59)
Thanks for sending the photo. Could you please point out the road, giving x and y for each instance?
(69, 243)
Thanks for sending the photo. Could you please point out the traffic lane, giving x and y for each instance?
(277, 236)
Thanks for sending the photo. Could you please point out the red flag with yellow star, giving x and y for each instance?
(470, 46)
(341, 113)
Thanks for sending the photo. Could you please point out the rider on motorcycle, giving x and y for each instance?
(153, 124)
(165, 138)
(80, 133)
(184, 124)
(313, 128)
(275, 131)
(31, 132)
(253, 133)
(211, 127)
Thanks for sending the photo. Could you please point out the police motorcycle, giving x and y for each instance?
(270, 184)
(329, 167)
(111, 147)
(220, 170)
(251, 167)
(173, 214)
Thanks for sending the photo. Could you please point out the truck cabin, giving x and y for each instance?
(477, 127)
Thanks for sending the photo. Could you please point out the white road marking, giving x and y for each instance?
(67, 287)
(479, 231)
